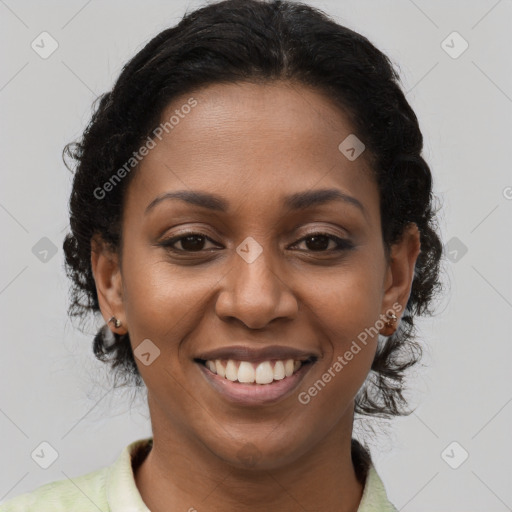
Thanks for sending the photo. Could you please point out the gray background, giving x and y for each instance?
(52, 388)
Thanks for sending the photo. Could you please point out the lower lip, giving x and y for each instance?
(254, 394)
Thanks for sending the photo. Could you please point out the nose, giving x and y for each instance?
(255, 293)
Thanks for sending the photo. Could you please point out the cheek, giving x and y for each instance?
(346, 309)
(162, 301)
(347, 301)
(343, 311)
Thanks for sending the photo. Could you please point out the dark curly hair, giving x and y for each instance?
(260, 41)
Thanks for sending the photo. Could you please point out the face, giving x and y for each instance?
(269, 250)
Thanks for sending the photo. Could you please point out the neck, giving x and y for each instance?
(179, 474)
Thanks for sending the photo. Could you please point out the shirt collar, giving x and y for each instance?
(123, 495)
(122, 492)
(374, 497)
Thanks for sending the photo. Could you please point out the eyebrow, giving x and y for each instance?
(298, 201)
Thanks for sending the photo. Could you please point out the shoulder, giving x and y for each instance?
(111, 488)
(83, 493)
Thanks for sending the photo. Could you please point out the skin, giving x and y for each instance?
(252, 145)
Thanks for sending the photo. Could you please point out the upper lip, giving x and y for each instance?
(244, 353)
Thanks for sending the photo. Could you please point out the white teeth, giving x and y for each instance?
(264, 373)
(231, 371)
(288, 367)
(221, 371)
(279, 371)
(246, 372)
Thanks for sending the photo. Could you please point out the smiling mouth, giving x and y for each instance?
(261, 373)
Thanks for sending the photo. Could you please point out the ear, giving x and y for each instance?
(109, 285)
(400, 274)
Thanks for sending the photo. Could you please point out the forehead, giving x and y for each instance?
(271, 139)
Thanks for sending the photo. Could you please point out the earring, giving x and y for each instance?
(392, 319)
(117, 322)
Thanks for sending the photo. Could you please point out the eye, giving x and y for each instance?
(315, 242)
(190, 242)
(319, 242)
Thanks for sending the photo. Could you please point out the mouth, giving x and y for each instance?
(251, 377)
(257, 373)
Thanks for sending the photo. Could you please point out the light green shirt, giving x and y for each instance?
(113, 489)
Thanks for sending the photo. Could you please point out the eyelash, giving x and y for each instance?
(342, 245)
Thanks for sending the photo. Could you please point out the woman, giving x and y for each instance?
(252, 217)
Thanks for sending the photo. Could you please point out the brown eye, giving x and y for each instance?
(315, 242)
(319, 242)
(190, 242)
